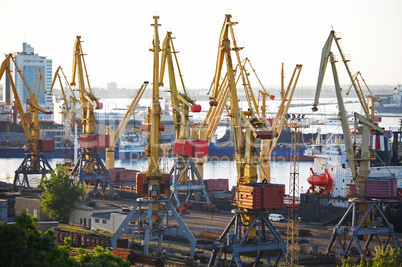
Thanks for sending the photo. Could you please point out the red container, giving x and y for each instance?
(183, 147)
(381, 188)
(147, 128)
(88, 141)
(114, 174)
(128, 176)
(261, 196)
(46, 145)
(351, 190)
(196, 108)
(139, 182)
(99, 105)
(102, 141)
(399, 193)
(273, 196)
(200, 148)
(217, 184)
(265, 134)
(250, 197)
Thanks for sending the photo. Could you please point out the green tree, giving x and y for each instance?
(100, 257)
(383, 257)
(22, 244)
(59, 194)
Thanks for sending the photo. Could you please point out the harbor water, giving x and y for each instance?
(225, 169)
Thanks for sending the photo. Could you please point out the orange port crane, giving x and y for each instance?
(34, 161)
(115, 137)
(250, 229)
(153, 184)
(89, 166)
(362, 211)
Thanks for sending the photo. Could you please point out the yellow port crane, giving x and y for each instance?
(250, 229)
(69, 110)
(89, 166)
(34, 161)
(153, 184)
(267, 145)
(371, 98)
(184, 175)
(362, 215)
(115, 137)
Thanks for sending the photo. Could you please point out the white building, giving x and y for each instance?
(30, 63)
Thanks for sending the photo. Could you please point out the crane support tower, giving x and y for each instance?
(296, 124)
(250, 230)
(184, 174)
(154, 184)
(34, 161)
(363, 215)
(89, 166)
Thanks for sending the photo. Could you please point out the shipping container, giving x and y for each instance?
(381, 188)
(200, 148)
(261, 196)
(114, 174)
(217, 184)
(127, 176)
(102, 141)
(196, 108)
(147, 128)
(139, 182)
(88, 141)
(46, 145)
(351, 190)
(183, 147)
(99, 105)
(265, 134)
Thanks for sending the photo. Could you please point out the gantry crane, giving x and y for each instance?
(184, 174)
(34, 161)
(362, 211)
(153, 183)
(249, 230)
(268, 145)
(115, 137)
(89, 166)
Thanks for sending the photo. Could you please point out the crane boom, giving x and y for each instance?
(267, 145)
(325, 56)
(115, 137)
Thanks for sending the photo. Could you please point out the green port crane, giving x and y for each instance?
(362, 210)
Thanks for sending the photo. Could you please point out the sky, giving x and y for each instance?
(117, 36)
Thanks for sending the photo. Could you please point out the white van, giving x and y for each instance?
(276, 217)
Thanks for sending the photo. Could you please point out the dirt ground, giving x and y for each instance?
(198, 221)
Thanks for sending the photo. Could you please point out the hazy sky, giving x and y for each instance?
(117, 36)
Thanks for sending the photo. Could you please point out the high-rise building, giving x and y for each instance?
(112, 86)
(30, 63)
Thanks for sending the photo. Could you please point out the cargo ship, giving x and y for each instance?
(331, 182)
(391, 103)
